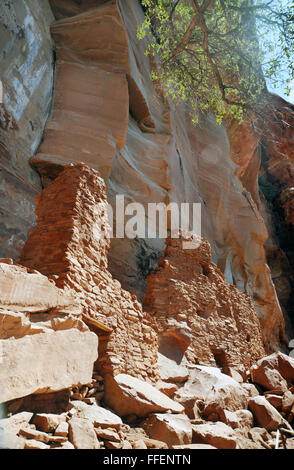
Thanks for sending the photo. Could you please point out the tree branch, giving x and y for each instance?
(216, 72)
(185, 39)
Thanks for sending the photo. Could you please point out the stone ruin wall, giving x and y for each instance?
(65, 246)
(207, 321)
(187, 295)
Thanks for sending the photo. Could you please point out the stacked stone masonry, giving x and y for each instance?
(200, 318)
(67, 245)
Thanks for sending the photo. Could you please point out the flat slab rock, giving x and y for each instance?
(211, 385)
(170, 371)
(48, 422)
(32, 444)
(107, 434)
(29, 291)
(216, 434)
(278, 362)
(99, 416)
(265, 415)
(128, 395)
(46, 362)
(41, 436)
(82, 434)
(169, 428)
(62, 429)
(268, 377)
(9, 428)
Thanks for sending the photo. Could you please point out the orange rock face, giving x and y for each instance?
(200, 318)
(279, 140)
(276, 183)
(108, 113)
(67, 244)
(91, 106)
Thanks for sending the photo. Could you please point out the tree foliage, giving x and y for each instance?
(217, 54)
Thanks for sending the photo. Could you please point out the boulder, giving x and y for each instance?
(245, 419)
(250, 390)
(216, 434)
(170, 371)
(275, 400)
(82, 434)
(62, 429)
(66, 445)
(212, 412)
(290, 443)
(235, 374)
(240, 419)
(154, 443)
(36, 435)
(277, 361)
(100, 417)
(29, 291)
(107, 434)
(139, 444)
(48, 422)
(126, 445)
(46, 362)
(268, 378)
(166, 388)
(189, 404)
(128, 395)
(265, 415)
(209, 384)
(287, 401)
(9, 428)
(172, 429)
(113, 445)
(33, 444)
(30, 433)
(260, 436)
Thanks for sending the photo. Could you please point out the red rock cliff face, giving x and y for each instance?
(67, 245)
(153, 154)
(108, 113)
(91, 107)
(212, 323)
(276, 183)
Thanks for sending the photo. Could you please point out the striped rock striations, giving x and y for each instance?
(91, 107)
(26, 71)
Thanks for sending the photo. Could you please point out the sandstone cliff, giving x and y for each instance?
(153, 154)
(172, 340)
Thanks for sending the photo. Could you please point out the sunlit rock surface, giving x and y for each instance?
(108, 113)
(26, 71)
